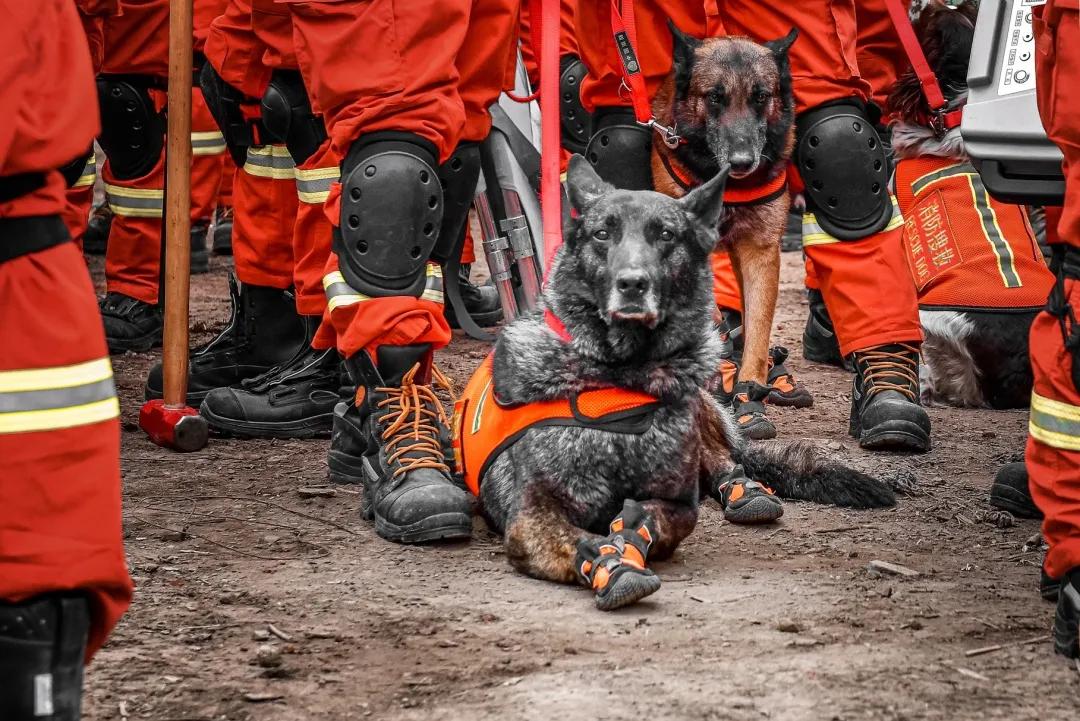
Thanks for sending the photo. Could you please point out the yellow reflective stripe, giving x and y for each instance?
(1054, 423)
(135, 202)
(339, 293)
(314, 198)
(333, 277)
(332, 172)
(57, 418)
(344, 299)
(270, 161)
(814, 234)
(40, 379)
(89, 173)
(313, 184)
(208, 142)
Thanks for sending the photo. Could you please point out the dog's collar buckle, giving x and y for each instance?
(670, 136)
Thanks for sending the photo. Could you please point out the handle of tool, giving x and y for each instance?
(550, 128)
(177, 205)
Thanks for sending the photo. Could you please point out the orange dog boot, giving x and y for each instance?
(748, 406)
(784, 389)
(745, 501)
(614, 567)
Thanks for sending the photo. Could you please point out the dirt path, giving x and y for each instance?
(782, 622)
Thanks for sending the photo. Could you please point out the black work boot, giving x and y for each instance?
(96, 237)
(820, 344)
(1067, 617)
(408, 490)
(1010, 491)
(885, 410)
(293, 400)
(264, 331)
(223, 223)
(200, 257)
(130, 324)
(482, 301)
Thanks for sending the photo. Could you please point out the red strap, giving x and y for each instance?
(934, 97)
(550, 128)
(555, 323)
(625, 31)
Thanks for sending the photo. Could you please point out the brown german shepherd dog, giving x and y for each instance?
(731, 102)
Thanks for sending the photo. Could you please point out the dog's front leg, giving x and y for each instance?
(674, 521)
(540, 540)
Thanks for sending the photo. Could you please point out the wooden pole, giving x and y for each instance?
(177, 205)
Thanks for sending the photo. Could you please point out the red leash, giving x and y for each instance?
(940, 120)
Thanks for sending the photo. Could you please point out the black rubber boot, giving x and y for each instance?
(885, 410)
(1067, 617)
(200, 256)
(264, 331)
(820, 344)
(408, 490)
(1010, 491)
(223, 223)
(96, 237)
(482, 301)
(293, 400)
(130, 324)
(42, 648)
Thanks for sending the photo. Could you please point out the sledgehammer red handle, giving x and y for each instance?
(170, 422)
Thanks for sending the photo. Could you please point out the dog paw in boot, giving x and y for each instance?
(745, 501)
(614, 567)
(748, 406)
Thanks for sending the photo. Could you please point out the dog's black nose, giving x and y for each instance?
(742, 163)
(632, 284)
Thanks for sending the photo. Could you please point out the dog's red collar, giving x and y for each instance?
(556, 325)
(940, 120)
(736, 192)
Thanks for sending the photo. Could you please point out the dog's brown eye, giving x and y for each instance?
(715, 97)
(761, 97)
(601, 234)
(667, 236)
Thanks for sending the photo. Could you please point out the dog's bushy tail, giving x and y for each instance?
(798, 470)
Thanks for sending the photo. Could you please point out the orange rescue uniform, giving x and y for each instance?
(1053, 447)
(967, 250)
(60, 526)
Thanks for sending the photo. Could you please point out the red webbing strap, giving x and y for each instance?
(550, 128)
(625, 31)
(934, 97)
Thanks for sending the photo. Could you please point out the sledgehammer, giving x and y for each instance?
(169, 421)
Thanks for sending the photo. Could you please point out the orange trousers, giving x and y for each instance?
(60, 525)
(1053, 447)
(432, 70)
(863, 282)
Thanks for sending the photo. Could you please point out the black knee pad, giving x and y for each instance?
(225, 103)
(576, 120)
(287, 115)
(620, 149)
(73, 171)
(391, 214)
(845, 167)
(132, 130)
(42, 645)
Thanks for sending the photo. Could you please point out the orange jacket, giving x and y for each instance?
(483, 427)
(965, 249)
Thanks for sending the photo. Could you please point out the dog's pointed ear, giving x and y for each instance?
(583, 185)
(682, 57)
(780, 46)
(706, 202)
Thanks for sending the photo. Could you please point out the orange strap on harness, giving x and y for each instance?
(735, 194)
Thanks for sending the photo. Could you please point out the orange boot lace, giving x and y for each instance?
(891, 371)
(412, 423)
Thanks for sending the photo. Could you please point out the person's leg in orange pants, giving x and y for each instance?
(411, 120)
(207, 165)
(80, 198)
(1053, 447)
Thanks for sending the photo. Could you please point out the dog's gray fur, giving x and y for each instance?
(556, 483)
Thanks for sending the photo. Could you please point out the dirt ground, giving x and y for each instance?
(254, 601)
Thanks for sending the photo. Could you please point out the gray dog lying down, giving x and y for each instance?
(593, 495)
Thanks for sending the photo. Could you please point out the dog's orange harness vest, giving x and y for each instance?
(483, 427)
(967, 250)
(736, 192)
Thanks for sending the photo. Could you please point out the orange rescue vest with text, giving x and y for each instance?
(483, 427)
(966, 249)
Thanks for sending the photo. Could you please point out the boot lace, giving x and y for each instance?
(411, 424)
(883, 367)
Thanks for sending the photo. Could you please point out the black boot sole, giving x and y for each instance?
(893, 436)
(311, 427)
(1066, 634)
(142, 344)
(344, 468)
(440, 527)
(1009, 499)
